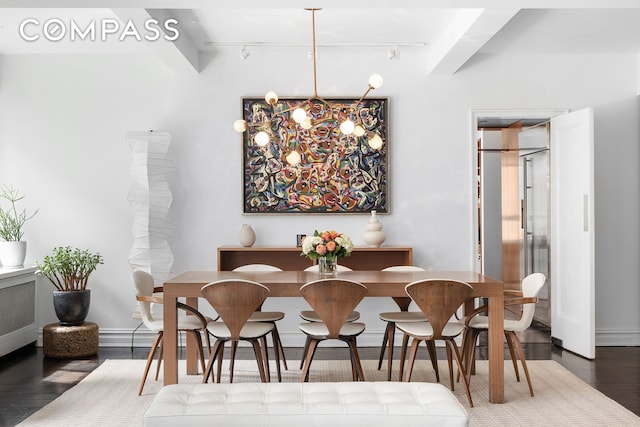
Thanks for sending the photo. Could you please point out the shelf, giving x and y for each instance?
(289, 258)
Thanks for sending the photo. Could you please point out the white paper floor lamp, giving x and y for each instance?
(151, 198)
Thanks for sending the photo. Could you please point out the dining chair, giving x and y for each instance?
(475, 323)
(235, 300)
(146, 295)
(333, 300)
(393, 317)
(438, 299)
(268, 316)
(312, 316)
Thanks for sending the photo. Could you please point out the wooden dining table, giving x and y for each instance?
(287, 284)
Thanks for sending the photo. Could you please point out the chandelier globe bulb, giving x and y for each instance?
(347, 127)
(375, 142)
(271, 97)
(299, 115)
(261, 138)
(240, 125)
(375, 81)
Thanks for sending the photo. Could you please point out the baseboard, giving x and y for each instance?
(113, 337)
(617, 338)
(142, 337)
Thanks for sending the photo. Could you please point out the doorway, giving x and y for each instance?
(512, 166)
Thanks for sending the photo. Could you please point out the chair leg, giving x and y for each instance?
(355, 359)
(265, 359)
(390, 341)
(160, 356)
(383, 347)
(305, 349)
(277, 347)
(450, 363)
(523, 360)
(313, 343)
(198, 338)
(220, 358)
(403, 355)
(512, 353)
(412, 358)
(433, 355)
(149, 360)
(213, 354)
(258, 351)
(232, 359)
(468, 351)
(451, 344)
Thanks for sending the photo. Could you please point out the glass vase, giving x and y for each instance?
(327, 267)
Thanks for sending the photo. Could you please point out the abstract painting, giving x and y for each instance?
(337, 173)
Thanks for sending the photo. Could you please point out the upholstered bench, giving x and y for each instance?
(336, 404)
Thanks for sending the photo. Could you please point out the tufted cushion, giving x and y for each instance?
(334, 404)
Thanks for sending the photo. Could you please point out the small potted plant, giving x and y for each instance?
(12, 248)
(68, 269)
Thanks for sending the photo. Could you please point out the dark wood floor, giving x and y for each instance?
(28, 380)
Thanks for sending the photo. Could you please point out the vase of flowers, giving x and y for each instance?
(326, 248)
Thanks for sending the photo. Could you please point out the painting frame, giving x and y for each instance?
(337, 173)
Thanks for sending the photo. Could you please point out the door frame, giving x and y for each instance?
(475, 114)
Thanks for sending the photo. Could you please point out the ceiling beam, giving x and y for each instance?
(180, 55)
(465, 35)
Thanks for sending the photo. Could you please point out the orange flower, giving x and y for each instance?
(326, 236)
(331, 246)
(321, 249)
(334, 234)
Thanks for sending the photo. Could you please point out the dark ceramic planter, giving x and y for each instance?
(71, 307)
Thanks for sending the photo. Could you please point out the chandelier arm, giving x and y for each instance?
(314, 52)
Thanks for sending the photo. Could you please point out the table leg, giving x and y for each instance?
(496, 349)
(170, 340)
(192, 350)
(403, 303)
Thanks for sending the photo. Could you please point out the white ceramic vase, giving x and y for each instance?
(374, 236)
(247, 236)
(12, 254)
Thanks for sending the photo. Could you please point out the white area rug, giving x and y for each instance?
(108, 396)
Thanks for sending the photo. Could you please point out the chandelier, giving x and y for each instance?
(305, 114)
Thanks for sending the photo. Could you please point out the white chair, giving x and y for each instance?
(195, 324)
(393, 317)
(268, 316)
(476, 323)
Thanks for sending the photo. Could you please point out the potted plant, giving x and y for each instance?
(12, 248)
(68, 269)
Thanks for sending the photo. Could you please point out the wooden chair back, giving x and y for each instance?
(235, 300)
(438, 300)
(333, 300)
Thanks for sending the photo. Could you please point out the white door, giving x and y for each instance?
(572, 233)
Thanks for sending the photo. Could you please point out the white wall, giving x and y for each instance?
(63, 119)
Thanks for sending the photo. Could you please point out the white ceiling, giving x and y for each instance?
(449, 32)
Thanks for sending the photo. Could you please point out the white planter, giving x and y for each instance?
(12, 254)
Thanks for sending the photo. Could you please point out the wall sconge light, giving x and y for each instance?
(243, 52)
(350, 124)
